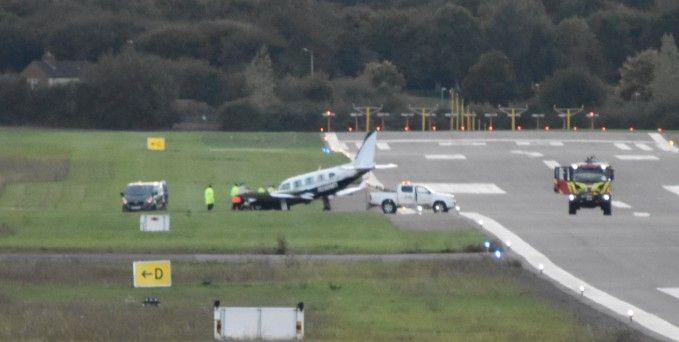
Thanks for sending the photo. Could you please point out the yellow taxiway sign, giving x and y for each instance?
(152, 273)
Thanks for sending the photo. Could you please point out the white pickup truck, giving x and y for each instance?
(412, 195)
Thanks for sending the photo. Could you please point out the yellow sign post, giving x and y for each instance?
(152, 273)
(155, 144)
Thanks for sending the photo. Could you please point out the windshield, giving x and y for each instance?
(138, 190)
(589, 175)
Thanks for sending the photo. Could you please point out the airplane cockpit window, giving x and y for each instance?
(331, 175)
(298, 183)
(309, 181)
(320, 178)
(284, 187)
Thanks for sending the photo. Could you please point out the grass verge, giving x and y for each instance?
(477, 300)
(80, 209)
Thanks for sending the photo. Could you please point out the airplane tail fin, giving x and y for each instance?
(365, 158)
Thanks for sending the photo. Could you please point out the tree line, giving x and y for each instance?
(250, 60)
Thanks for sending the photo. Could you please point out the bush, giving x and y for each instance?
(128, 91)
(572, 88)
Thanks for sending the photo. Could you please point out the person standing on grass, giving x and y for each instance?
(235, 200)
(209, 197)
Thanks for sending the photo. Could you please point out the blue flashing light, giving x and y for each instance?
(325, 150)
(498, 254)
(486, 244)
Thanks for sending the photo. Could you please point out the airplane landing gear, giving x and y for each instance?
(326, 203)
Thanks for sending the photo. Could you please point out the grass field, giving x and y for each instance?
(365, 301)
(62, 193)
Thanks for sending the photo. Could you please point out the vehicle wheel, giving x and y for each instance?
(572, 208)
(388, 207)
(606, 207)
(439, 207)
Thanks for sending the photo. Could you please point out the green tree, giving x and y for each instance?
(198, 80)
(636, 75)
(128, 91)
(578, 46)
(572, 88)
(86, 37)
(384, 77)
(622, 32)
(19, 48)
(666, 74)
(260, 80)
(522, 30)
(491, 80)
(175, 41)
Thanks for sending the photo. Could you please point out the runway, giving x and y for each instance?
(507, 177)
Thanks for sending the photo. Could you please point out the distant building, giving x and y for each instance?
(48, 72)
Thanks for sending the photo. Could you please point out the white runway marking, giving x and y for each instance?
(672, 188)
(552, 164)
(462, 143)
(530, 154)
(523, 143)
(641, 214)
(672, 291)
(383, 146)
(636, 157)
(663, 144)
(643, 146)
(445, 157)
(555, 143)
(466, 188)
(621, 205)
(539, 261)
(622, 146)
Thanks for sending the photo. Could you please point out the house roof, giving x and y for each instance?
(61, 69)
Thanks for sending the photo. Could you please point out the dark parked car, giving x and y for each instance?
(145, 196)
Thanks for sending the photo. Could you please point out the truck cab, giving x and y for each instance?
(588, 185)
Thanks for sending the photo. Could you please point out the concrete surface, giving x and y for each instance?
(627, 256)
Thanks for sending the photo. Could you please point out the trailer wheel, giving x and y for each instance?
(572, 208)
(388, 207)
(439, 207)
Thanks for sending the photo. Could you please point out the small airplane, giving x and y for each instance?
(323, 184)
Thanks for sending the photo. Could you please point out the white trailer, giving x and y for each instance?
(258, 323)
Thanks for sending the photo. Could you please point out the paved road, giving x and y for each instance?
(507, 177)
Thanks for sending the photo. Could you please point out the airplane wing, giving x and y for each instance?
(307, 196)
(349, 191)
(279, 195)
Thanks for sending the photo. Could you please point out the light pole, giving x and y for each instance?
(490, 117)
(513, 113)
(424, 110)
(569, 112)
(443, 90)
(311, 59)
(537, 117)
(591, 116)
(328, 115)
(356, 116)
(563, 120)
(382, 115)
(408, 116)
